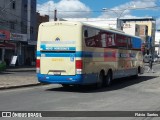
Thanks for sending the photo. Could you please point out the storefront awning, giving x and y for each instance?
(1, 45)
(8, 45)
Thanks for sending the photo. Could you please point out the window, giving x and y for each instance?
(122, 41)
(94, 38)
(0, 54)
(146, 31)
(85, 33)
(13, 5)
(136, 29)
(31, 30)
(110, 39)
(103, 39)
(129, 43)
(12, 25)
(32, 9)
(99, 38)
(25, 7)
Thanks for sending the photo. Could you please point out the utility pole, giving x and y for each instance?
(159, 48)
(55, 15)
(28, 19)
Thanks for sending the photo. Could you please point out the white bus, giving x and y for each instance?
(71, 53)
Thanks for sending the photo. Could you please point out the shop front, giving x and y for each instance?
(21, 44)
(7, 48)
(16, 44)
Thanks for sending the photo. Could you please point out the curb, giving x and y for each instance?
(21, 86)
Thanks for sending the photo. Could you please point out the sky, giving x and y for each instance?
(100, 8)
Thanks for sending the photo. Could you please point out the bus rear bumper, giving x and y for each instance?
(81, 79)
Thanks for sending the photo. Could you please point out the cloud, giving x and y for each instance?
(124, 10)
(65, 9)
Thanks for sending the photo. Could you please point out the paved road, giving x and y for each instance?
(142, 94)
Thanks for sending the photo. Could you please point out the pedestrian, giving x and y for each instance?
(150, 65)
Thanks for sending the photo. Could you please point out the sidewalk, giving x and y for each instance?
(16, 77)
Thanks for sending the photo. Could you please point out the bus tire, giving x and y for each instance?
(108, 79)
(137, 73)
(99, 83)
(65, 85)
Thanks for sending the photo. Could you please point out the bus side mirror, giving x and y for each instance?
(85, 33)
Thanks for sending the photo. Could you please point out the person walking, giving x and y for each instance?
(150, 65)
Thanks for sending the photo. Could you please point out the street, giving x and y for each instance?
(128, 94)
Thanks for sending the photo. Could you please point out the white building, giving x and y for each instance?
(131, 28)
(157, 42)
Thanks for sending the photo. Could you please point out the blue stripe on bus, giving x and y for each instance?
(77, 54)
(82, 79)
(59, 54)
(44, 47)
(38, 53)
(85, 54)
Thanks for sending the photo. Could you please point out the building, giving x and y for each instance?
(147, 30)
(143, 32)
(157, 42)
(14, 27)
(137, 30)
(132, 29)
(41, 19)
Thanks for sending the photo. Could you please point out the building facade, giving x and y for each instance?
(147, 28)
(132, 29)
(157, 42)
(14, 30)
(41, 19)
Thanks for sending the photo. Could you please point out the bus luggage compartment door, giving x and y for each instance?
(58, 63)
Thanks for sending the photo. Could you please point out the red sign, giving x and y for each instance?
(4, 35)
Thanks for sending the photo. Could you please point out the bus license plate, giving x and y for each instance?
(57, 73)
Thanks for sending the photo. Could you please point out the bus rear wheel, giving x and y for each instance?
(108, 79)
(99, 83)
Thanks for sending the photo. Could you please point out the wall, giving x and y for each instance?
(157, 42)
(131, 28)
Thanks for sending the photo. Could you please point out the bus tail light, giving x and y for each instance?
(38, 65)
(79, 66)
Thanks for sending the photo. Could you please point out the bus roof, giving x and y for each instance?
(85, 24)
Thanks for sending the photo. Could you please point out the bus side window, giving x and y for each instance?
(86, 33)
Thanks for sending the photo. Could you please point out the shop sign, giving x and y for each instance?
(18, 37)
(4, 35)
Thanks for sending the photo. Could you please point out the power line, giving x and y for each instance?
(107, 10)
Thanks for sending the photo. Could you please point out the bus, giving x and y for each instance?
(75, 53)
